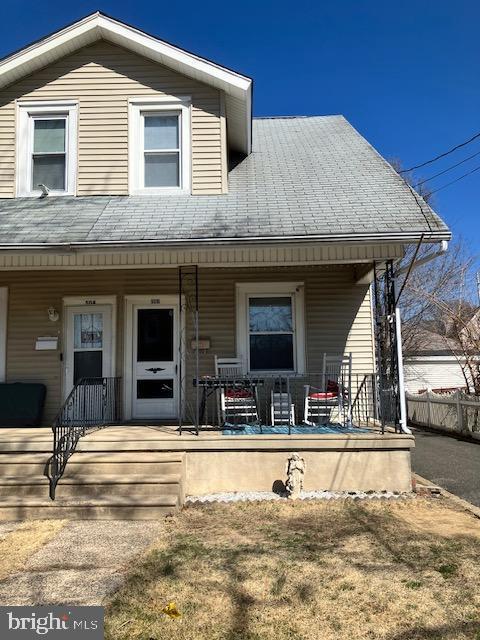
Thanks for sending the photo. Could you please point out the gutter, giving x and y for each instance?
(352, 238)
(428, 258)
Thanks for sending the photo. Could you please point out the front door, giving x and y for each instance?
(88, 348)
(155, 362)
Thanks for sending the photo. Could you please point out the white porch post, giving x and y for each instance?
(401, 382)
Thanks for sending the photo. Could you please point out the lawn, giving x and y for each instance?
(394, 570)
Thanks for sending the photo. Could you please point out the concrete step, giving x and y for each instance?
(93, 486)
(124, 464)
(132, 507)
(23, 464)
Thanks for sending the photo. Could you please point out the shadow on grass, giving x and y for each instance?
(227, 541)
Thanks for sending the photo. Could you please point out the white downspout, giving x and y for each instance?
(401, 383)
(431, 256)
(398, 331)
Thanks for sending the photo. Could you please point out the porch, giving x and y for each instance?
(144, 472)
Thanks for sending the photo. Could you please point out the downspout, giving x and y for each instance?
(398, 331)
(401, 382)
(431, 256)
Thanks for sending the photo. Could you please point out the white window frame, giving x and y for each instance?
(244, 291)
(167, 105)
(26, 114)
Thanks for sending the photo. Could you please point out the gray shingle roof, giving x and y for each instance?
(313, 177)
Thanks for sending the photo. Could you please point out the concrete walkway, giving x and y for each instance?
(450, 463)
(82, 564)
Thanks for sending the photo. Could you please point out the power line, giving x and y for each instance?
(456, 180)
(440, 173)
(442, 155)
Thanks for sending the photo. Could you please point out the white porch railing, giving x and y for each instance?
(457, 412)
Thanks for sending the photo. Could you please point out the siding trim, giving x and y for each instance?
(212, 257)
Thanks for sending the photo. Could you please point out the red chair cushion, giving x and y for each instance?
(323, 396)
(238, 393)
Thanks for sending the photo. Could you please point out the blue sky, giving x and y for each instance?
(405, 73)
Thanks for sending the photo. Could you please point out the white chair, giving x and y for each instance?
(333, 390)
(282, 408)
(238, 402)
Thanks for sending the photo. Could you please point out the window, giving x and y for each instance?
(159, 151)
(270, 332)
(46, 148)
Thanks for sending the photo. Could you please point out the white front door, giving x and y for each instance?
(155, 361)
(88, 344)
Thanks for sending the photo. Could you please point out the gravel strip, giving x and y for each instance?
(253, 496)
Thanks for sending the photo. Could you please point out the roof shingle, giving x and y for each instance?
(312, 177)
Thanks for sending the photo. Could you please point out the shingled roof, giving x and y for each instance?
(307, 179)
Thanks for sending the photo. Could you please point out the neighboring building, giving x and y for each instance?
(435, 364)
(125, 158)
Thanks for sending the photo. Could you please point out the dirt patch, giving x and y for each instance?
(304, 571)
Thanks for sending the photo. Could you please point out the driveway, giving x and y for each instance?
(450, 463)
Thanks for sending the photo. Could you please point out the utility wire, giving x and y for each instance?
(440, 173)
(442, 155)
(456, 180)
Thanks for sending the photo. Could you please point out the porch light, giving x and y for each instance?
(53, 314)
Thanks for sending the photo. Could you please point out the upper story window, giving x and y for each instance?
(46, 148)
(159, 149)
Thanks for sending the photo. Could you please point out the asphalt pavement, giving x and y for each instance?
(453, 464)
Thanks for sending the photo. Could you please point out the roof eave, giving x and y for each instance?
(354, 238)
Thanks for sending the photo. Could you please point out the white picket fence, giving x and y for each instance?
(458, 412)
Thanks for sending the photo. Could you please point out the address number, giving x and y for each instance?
(90, 302)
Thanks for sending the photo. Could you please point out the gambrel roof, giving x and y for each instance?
(307, 179)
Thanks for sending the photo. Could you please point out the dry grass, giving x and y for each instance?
(18, 545)
(310, 571)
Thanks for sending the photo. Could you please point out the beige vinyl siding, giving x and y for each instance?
(337, 314)
(102, 77)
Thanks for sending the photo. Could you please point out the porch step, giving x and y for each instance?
(23, 464)
(124, 463)
(137, 485)
(132, 507)
(93, 486)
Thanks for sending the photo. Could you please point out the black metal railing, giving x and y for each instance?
(365, 404)
(92, 403)
(267, 400)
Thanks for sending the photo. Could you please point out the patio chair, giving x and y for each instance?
(238, 402)
(333, 390)
(282, 409)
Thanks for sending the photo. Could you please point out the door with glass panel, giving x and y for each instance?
(88, 348)
(49, 153)
(155, 370)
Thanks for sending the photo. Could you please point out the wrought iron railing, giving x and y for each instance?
(92, 403)
(268, 400)
(365, 404)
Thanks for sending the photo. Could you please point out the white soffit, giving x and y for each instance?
(237, 88)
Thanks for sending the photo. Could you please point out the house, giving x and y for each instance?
(151, 230)
(434, 364)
